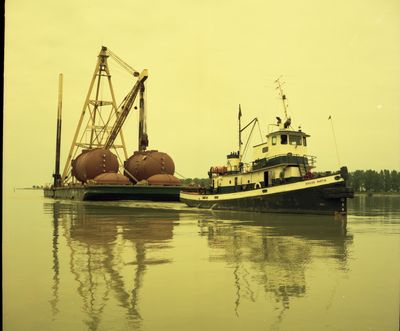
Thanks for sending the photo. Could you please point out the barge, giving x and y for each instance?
(98, 166)
(97, 192)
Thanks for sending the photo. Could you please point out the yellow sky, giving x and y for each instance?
(338, 58)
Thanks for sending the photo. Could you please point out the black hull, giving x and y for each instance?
(114, 192)
(324, 200)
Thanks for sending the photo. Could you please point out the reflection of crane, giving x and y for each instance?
(97, 260)
(104, 126)
(56, 264)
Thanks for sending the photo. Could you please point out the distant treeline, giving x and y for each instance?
(374, 181)
(360, 180)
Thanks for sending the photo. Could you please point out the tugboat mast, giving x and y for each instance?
(282, 95)
(240, 130)
(288, 120)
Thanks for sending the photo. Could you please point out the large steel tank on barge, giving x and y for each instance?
(153, 166)
(91, 163)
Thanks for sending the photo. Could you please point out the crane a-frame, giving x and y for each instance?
(104, 120)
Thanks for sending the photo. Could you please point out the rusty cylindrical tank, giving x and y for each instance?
(164, 179)
(112, 178)
(91, 163)
(145, 164)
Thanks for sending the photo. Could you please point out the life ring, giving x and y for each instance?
(257, 186)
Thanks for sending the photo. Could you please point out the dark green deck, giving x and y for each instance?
(114, 192)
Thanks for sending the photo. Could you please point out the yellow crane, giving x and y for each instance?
(102, 130)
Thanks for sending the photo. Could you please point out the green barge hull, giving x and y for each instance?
(114, 192)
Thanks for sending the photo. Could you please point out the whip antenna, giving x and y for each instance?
(334, 139)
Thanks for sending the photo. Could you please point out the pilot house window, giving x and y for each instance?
(294, 140)
(284, 139)
(304, 141)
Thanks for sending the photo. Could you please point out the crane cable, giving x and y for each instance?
(123, 64)
(248, 139)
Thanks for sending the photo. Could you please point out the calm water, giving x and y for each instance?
(145, 266)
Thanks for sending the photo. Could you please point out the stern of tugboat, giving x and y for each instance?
(339, 194)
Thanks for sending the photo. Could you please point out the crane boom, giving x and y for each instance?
(125, 109)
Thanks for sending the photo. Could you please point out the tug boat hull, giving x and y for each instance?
(327, 195)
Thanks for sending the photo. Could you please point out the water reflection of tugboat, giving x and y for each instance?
(278, 179)
(271, 252)
(96, 236)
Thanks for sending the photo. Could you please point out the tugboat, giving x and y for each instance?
(279, 179)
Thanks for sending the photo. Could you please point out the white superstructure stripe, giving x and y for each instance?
(264, 191)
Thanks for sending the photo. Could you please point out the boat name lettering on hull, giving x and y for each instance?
(316, 181)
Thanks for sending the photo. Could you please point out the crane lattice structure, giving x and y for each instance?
(103, 118)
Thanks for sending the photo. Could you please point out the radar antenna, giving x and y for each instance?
(279, 86)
